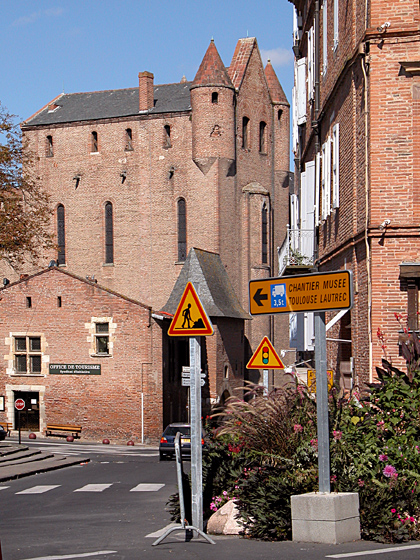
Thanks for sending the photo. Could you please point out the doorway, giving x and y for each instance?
(29, 418)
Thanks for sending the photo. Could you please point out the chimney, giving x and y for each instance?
(146, 101)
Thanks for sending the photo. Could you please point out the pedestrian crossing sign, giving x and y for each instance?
(265, 357)
(190, 318)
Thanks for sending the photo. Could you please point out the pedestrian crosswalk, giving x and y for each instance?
(43, 488)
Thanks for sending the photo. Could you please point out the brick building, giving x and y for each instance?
(355, 121)
(140, 176)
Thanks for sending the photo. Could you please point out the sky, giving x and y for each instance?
(48, 47)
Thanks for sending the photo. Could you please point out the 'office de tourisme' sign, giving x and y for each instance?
(75, 369)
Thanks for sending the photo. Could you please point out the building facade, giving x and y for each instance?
(140, 176)
(355, 120)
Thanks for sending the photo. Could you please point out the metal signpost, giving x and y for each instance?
(191, 320)
(19, 405)
(318, 292)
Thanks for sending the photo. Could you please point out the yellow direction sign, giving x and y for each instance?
(311, 383)
(265, 357)
(190, 319)
(323, 291)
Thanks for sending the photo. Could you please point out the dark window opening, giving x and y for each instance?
(279, 115)
(94, 142)
(28, 358)
(182, 230)
(28, 301)
(264, 235)
(50, 149)
(128, 140)
(215, 97)
(167, 136)
(61, 235)
(59, 301)
(263, 137)
(245, 133)
(109, 234)
(102, 338)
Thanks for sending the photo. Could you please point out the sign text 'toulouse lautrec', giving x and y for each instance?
(323, 291)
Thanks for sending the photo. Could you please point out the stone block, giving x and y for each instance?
(325, 518)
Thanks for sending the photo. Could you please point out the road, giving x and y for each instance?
(113, 508)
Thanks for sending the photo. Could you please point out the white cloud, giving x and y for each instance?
(279, 57)
(31, 18)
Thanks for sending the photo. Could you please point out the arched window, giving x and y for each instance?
(263, 137)
(128, 140)
(182, 230)
(61, 235)
(264, 235)
(167, 136)
(49, 146)
(109, 234)
(94, 142)
(245, 133)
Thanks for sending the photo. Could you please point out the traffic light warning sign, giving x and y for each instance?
(265, 357)
(190, 319)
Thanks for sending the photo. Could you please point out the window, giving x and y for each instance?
(28, 301)
(324, 37)
(264, 235)
(109, 234)
(335, 24)
(27, 350)
(279, 116)
(182, 230)
(301, 90)
(167, 136)
(61, 235)
(311, 63)
(336, 165)
(59, 301)
(245, 133)
(263, 137)
(215, 97)
(128, 140)
(94, 142)
(102, 338)
(50, 149)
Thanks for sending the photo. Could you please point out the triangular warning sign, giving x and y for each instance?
(190, 319)
(265, 357)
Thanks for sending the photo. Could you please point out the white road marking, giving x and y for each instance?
(147, 487)
(378, 551)
(4, 487)
(68, 556)
(159, 533)
(39, 489)
(93, 488)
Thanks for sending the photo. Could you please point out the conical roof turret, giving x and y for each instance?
(276, 91)
(212, 71)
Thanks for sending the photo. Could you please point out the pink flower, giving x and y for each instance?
(390, 471)
(361, 482)
(337, 434)
(333, 478)
(383, 458)
(298, 428)
(393, 510)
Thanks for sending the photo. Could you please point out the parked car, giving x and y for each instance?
(3, 433)
(167, 441)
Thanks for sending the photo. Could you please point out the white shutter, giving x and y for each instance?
(309, 334)
(311, 62)
(323, 181)
(336, 3)
(295, 138)
(328, 177)
(317, 185)
(324, 37)
(307, 205)
(301, 90)
(336, 165)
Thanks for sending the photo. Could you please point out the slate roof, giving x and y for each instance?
(115, 103)
(206, 271)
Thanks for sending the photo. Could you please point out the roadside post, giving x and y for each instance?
(190, 320)
(19, 405)
(317, 516)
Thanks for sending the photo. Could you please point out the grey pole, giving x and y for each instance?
(196, 434)
(322, 403)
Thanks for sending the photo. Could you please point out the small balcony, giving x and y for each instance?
(297, 251)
